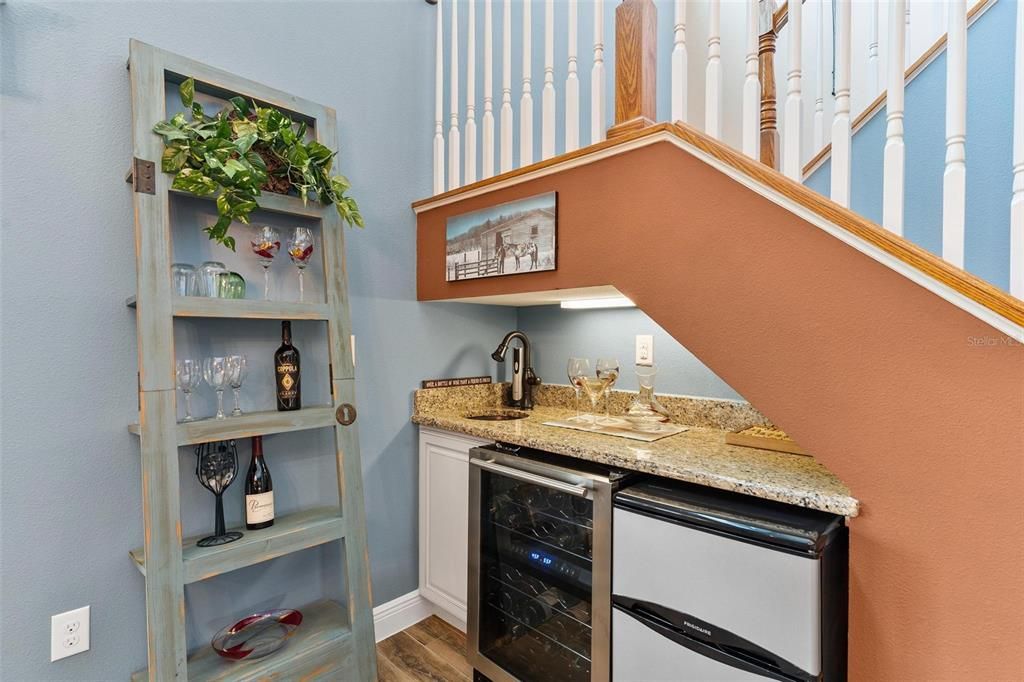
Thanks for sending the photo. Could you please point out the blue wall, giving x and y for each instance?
(558, 334)
(990, 44)
(70, 497)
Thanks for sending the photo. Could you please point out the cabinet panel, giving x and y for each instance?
(444, 519)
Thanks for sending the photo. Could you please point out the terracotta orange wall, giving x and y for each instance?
(916, 405)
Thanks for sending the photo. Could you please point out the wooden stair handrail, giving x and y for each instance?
(964, 283)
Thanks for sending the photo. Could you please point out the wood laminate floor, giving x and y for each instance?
(429, 650)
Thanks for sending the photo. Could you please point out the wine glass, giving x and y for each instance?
(578, 369)
(188, 373)
(607, 373)
(265, 242)
(594, 388)
(300, 248)
(236, 375)
(215, 371)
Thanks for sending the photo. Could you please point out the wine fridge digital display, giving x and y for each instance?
(539, 566)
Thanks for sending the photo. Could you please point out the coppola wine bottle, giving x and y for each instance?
(287, 372)
(259, 490)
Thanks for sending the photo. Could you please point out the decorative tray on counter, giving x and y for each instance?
(620, 428)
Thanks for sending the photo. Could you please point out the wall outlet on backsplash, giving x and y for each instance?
(645, 350)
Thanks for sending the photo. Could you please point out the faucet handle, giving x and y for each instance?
(531, 378)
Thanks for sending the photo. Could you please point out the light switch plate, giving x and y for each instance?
(645, 350)
(69, 633)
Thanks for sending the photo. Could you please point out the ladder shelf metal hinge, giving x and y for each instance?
(143, 176)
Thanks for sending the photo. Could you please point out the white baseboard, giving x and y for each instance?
(407, 610)
(399, 613)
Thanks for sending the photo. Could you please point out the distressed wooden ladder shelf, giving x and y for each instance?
(333, 642)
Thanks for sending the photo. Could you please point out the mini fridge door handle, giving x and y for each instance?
(528, 477)
(710, 641)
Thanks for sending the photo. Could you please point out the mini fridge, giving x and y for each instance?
(710, 585)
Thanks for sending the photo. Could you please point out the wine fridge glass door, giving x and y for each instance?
(535, 577)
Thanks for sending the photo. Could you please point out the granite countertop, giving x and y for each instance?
(699, 455)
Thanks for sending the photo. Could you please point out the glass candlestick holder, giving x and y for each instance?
(645, 413)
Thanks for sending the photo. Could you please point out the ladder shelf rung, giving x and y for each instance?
(321, 647)
(251, 424)
(252, 309)
(290, 533)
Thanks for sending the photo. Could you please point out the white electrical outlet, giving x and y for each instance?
(645, 350)
(69, 633)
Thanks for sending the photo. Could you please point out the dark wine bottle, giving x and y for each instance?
(287, 372)
(259, 490)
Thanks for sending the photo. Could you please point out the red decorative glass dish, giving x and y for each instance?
(257, 635)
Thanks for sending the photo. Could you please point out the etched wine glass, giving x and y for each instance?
(215, 371)
(237, 370)
(577, 370)
(265, 242)
(607, 373)
(594, 388)
(188, 373)
(300, 248)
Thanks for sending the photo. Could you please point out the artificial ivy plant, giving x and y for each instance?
(243, 150)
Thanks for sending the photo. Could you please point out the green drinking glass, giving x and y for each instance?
(232, 285)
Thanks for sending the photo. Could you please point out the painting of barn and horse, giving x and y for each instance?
(508, 239)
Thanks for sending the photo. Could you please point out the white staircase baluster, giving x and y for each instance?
(822, 66)
(547, 134)
(751, 86)
(1017, 203)
(470, 165)
(893, 161)
(713, 80)
(840, 191)
(454, 145)
(572, 87)
(439, 107)
(874, 66)
(679, 62)
(954, 178)
(597, 86)
(487, 124)
(506, 90)
(794, 95)
(907, 52)
(526, 102)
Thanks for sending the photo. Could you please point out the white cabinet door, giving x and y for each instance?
(444, 518)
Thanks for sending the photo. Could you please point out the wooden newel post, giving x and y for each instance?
(766, 74)
(636, 29)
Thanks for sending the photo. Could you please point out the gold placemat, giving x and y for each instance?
(620, 428)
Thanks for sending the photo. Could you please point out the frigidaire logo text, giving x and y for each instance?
(697, 628)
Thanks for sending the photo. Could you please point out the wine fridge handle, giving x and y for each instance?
(490, 465)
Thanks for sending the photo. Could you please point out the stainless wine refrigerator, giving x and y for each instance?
(539, 566)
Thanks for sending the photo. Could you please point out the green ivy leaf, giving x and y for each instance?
(243, 143)
(319, 153)
(169, 132)
(194, 182)
(297, 156)
(174, 157)
(228, 242)
(340, 184)
(187, 91)
(240, 104)
(197, 112)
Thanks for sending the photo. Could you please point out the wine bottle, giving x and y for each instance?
(259, 490)
(287, 372)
